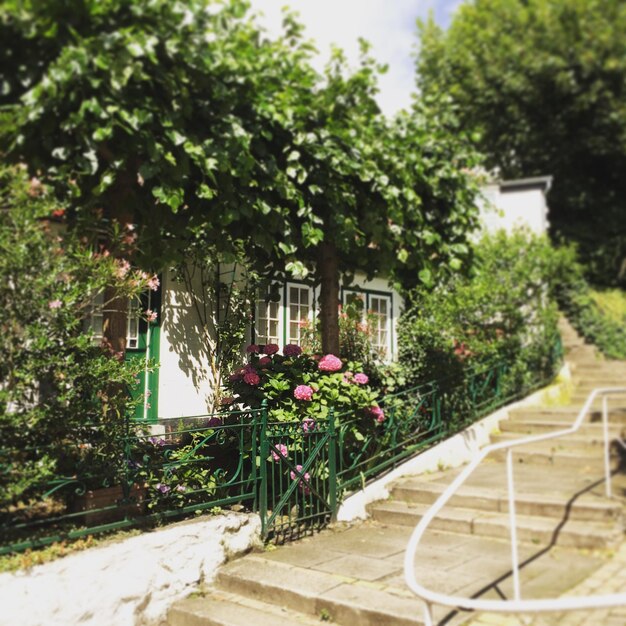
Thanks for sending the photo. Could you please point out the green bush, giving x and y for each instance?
(502, 312)
(580, 304)
(62, 398)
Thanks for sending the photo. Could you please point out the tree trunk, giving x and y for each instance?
(328, 268)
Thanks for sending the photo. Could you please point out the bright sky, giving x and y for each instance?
(389, 25)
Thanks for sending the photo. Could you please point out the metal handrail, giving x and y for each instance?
(517, 605)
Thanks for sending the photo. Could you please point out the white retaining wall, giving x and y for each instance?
(131, 582)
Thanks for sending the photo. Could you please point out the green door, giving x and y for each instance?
(142, 343)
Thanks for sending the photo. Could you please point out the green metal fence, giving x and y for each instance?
(292, 473)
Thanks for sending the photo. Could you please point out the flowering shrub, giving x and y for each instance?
(63, 399)
(301, 386)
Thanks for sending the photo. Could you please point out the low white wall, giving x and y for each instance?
(458, 450)
(132, 582)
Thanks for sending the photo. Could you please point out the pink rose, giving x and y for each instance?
(329, 363)
(303, 392)
(271, 348)
(292, 349)
(361, 379)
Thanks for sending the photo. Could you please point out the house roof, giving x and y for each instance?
(537, 182)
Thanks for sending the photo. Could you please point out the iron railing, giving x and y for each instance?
(292, 473)
(517, 605)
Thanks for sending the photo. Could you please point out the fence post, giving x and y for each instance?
(332, 463)
(264, 453)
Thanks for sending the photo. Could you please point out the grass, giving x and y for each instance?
(612, 303)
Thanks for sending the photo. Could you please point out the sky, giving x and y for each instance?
(389, 25)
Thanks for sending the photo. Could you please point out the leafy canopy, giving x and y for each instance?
(543, 81)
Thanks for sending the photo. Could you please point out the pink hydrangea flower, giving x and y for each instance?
(378, 414)
(361, 379)
(280, 452)
(271, 348)
(303, 392)
(304, 482)
(253, 349)
(347, 377)
(55, 304)
(251, 378)
(264, 361)
(329, 363)
(292, 349)
(237, 375)
(226, 400)
(308, 425)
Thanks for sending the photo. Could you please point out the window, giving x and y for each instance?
(299, 310)
(96, 321)
(281, 322)
(377, 311)
(379, 308)
(267, 320)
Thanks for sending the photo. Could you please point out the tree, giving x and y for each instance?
(543, 83)
(186, 120)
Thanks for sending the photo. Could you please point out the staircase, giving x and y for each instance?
(352, 575)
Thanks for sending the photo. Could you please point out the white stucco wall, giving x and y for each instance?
(514, 207)
(185, 379)
(129, 583)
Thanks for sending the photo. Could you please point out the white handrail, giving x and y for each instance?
(516, 605)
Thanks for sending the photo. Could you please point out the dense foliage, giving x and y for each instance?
(186, 119)
(581, 305)
(55, 383)
(543, 83)
(501, 313)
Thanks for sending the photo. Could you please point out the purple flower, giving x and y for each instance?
(280, 452)
(271, 348)
(215, 421)
(361, 379)
(156, 441)
(253, 349)
(329, 363)
(161, 488)
(180, 488)
(303, 392)
(292, 349)
(264, 361)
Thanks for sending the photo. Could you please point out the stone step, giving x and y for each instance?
(565, 415)
(545, 426)
(530, 529)
(557, 457)
(314, 593)
(592, 444)
(225, 609)
(578, 398)
(587, 507)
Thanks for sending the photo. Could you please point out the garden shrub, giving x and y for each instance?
(581, 305)
(501, 312)
(63, 399)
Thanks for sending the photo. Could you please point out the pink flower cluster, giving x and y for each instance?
(292, 349)
(377, 413)
(329, 363)
(308, 425)
(280, 452)
(303, 392)
(248, 374)
(361, 379)
(304, 482)
(271, 348)
(264, 361)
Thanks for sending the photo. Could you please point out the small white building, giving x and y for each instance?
(511, 204)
